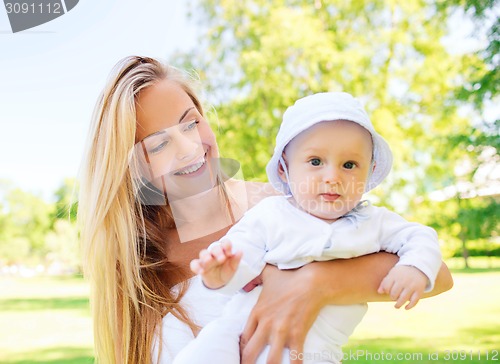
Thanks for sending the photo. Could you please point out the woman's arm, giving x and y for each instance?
(351, 281)
(291, 300)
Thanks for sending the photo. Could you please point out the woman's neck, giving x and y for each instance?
(205, 213)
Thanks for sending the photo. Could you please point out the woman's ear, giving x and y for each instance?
(281, 168)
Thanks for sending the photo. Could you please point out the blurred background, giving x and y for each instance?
(427, 72)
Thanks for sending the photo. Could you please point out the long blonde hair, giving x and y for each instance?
(124, 246)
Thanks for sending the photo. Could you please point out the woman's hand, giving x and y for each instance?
(291, 300)
(287, 307)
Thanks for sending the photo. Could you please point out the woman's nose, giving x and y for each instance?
(186, 147)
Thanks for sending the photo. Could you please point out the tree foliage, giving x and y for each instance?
(260, 56)
(477, 167)
(257, 57)
(485, 82)
(66, 204)
(34, 231)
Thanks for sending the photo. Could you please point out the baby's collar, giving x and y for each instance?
(358, 213)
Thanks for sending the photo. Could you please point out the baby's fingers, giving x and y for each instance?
(198, 265)
(221, 253)
(415, 297)
(195, 266)
(207, 261)
(404, 295)
(385, 286)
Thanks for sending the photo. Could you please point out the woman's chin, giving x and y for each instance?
(191, 184)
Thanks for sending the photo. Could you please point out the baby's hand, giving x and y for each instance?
(216, 266)
(404, 283)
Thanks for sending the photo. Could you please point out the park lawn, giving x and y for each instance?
(461, 325)
(47, 320)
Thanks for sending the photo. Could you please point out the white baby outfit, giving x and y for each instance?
(275, 232)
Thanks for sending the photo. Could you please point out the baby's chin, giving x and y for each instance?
(327, 215)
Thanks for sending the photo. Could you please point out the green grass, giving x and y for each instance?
(476, 265)
(47, 320)
(458, 325)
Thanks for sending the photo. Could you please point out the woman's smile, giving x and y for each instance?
(192, 168)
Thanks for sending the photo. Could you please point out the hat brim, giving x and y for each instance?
(382, 156)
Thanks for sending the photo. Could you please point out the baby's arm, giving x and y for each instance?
(420, 259)
(216, 266)
(404, 283)
(221, 265)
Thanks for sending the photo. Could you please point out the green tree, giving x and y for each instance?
(33, 231)
(66, 204)
(473, 152)
(476, 189)
(13, 249)
(62, 245)
(258, 57)
(485, 82)
(25, 221)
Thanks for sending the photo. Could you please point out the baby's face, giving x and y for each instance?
(328, 166)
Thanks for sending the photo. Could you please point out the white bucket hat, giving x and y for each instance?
(327, 106)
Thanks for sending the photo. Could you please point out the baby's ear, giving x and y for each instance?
(281, 169)
(374, 166)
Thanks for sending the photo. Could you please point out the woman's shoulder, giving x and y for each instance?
(250, 193)
(257, 191)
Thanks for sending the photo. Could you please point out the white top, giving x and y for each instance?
(278, 233)
(202, 306)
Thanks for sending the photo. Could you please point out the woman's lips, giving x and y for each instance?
(192, 168)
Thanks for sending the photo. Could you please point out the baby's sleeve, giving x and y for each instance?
(417, 245)
(247, 236)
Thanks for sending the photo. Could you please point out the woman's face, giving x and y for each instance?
(174, 143)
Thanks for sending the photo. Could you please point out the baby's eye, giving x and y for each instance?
(349, 165)
(315, 161)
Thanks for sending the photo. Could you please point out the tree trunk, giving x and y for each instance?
(465, 251)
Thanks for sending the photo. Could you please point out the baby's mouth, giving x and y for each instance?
(330, 196)
(191, 168)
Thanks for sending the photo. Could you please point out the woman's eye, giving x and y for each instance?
(315, 162)
(349, 165)
(191, 125)
(158, 148)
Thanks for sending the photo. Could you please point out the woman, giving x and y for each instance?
(153, 194)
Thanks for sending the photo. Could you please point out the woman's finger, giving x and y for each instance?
(253, 347)
(277, 346)
(296, 345)
(248, 332)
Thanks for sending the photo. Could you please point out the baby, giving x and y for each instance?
(327, 156)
